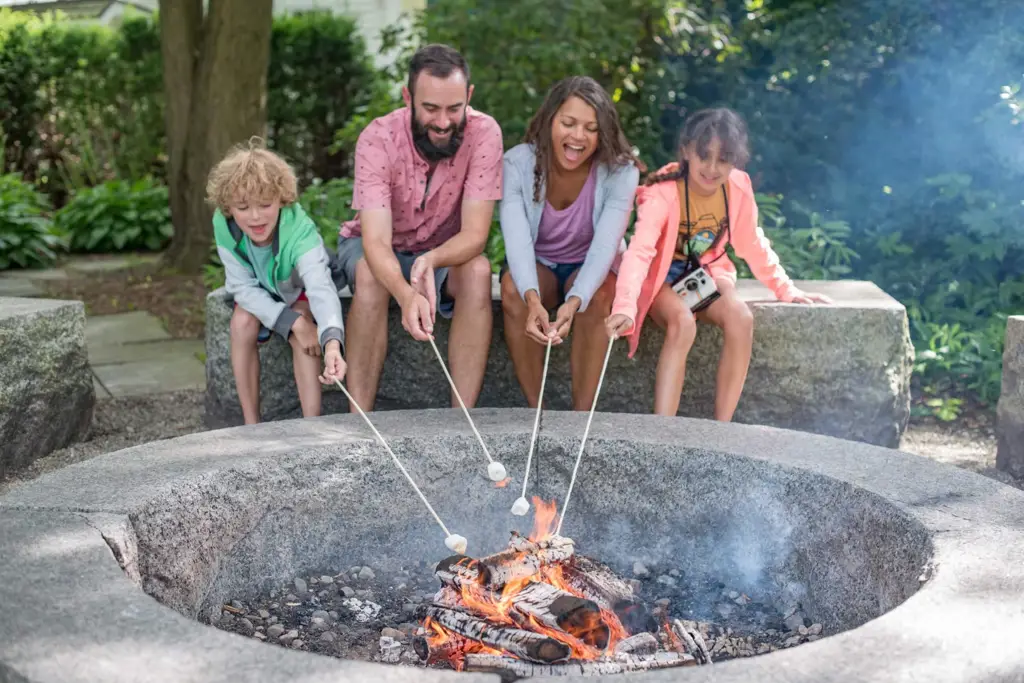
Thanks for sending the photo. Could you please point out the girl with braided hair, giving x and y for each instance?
(567, 195)
(687, 213)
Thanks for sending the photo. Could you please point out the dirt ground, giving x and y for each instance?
(177, 300)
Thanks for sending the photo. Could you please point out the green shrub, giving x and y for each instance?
(329, 205)
(83, 104)
(27, 237)
(320, 74)
(117, 216)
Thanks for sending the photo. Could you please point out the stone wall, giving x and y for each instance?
(841, 370)
(1010, 413)
(46, 389)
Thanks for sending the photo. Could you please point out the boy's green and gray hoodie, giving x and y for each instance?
(299, 262)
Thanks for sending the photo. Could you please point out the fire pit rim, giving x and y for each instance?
(975, 525)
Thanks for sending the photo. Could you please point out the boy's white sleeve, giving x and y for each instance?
(324, 303)
(245, 289)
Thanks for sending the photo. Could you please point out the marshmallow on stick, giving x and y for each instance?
(495, 470)
(454, 542)
(522, 506)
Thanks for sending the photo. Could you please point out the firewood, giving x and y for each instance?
(523, 644)
(444, 651)
(693, 641)
(640, 644)
(560, 610)
(524, 559)
(512, 667)
(597, 582)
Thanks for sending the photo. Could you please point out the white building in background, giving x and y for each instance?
(371, 15)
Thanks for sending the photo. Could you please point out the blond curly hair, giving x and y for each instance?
(251, 172)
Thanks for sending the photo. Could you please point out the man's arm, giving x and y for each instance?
(472, 237)
(380, 255)
(479, 192)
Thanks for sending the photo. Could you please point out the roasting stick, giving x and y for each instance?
(522, 506)
(586, 432)
(495, 470)
(454, 542)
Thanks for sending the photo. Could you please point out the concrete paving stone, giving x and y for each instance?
(18, 287)
(149, 377)
(111, 263)
(167, 351)
(124, 328)
(33, 274)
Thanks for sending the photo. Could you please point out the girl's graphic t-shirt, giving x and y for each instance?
(709, 218)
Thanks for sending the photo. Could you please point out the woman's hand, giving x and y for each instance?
(538, 324)
(618, 324)
(563, 318)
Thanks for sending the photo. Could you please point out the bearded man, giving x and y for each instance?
(426, 180)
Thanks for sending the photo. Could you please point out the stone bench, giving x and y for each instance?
(841, 371)
(1010, 412)
(46, 387)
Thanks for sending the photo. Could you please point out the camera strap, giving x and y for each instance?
(694, 260)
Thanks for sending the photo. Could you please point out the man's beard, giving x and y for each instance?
(427, 149)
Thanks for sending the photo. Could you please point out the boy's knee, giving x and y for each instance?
(472, 280)
(244, 324)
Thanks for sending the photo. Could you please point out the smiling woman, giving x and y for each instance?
(568, 192)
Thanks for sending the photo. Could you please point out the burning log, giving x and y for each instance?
(448, 649)
(597, 582)
(510, 666)
(641, 644)
(562, 611)
(524, 559)
(523, 644)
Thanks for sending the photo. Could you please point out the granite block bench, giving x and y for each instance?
(840, 371)
(46, 388)
(1010, 411)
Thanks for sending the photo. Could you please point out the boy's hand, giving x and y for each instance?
(334, 364)
(617, 325)
(305, 336)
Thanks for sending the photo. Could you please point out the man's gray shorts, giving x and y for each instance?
(350, 250)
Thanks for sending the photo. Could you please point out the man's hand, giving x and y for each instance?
(421, 277)
(417, 318)
(811, 298)
(563, 318)
(617, 325)
(334, 364)
(305, 335)
(538, 324)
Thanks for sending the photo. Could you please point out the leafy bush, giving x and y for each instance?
(116, 216)
(83, 104)
(27, 238)
(329, 205)
(540, 42)
(320, 74)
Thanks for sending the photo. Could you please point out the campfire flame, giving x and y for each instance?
(497, 608)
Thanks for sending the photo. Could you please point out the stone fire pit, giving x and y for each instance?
(914, 570)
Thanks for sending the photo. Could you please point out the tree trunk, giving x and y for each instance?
(213, 103)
